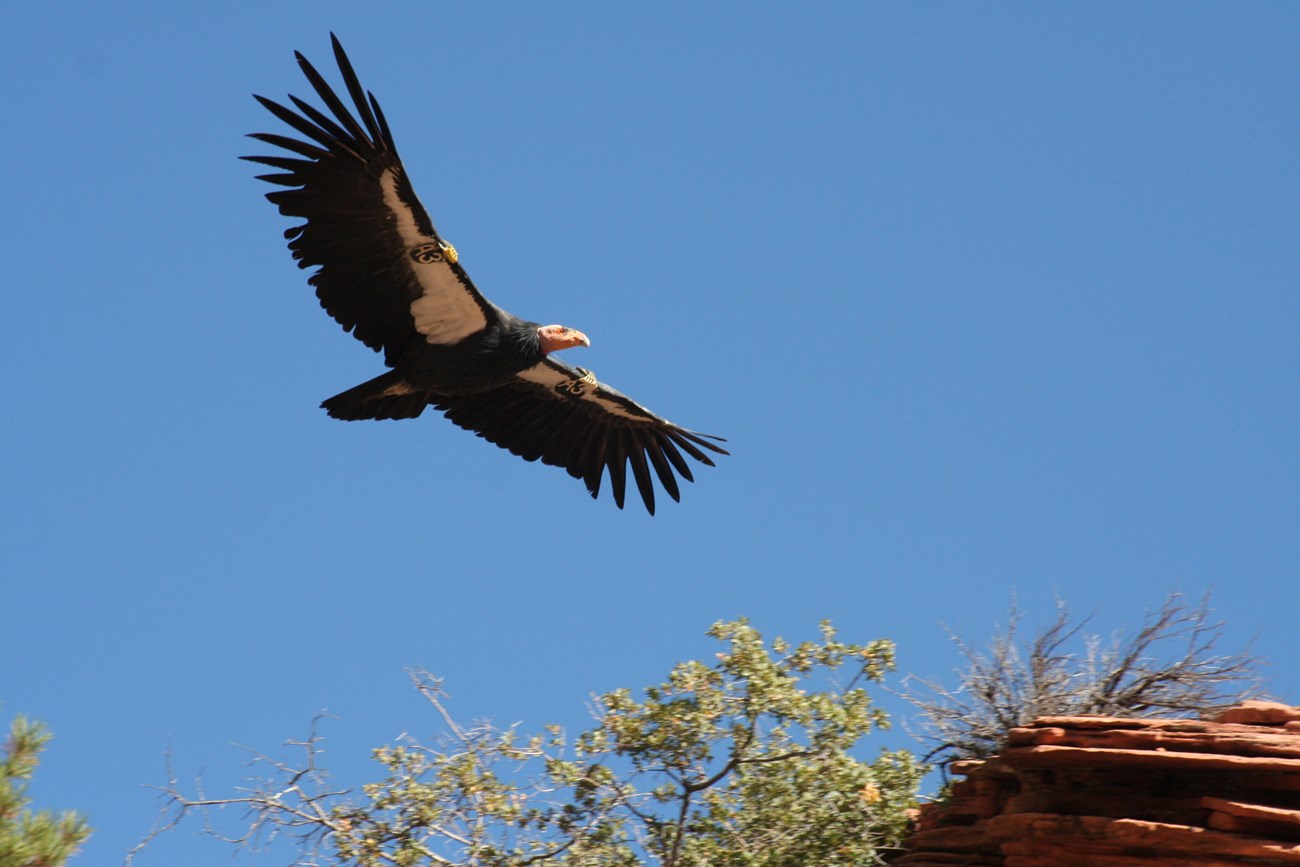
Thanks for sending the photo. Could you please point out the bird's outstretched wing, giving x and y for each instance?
(562, 416)
(385, 274)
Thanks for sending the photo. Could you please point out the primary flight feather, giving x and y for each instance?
(388, 277)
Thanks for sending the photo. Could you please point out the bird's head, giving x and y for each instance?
(556, 337)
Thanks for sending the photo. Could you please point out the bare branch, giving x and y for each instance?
(292, 799)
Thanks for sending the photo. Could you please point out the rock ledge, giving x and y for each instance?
(1111, 792)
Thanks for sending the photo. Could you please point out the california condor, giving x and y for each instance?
(387, 276)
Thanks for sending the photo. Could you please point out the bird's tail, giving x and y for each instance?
(384, 397)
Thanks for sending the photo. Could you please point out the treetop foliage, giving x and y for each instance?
(32, 839)
(743, 761)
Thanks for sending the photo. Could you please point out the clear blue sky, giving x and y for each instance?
(988, 299)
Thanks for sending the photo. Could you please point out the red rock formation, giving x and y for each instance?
(1108, 792)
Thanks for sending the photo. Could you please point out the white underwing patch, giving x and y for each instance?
(445, 312)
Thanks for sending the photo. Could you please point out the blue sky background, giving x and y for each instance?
(988, 299)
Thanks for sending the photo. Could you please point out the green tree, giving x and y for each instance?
(745, 761)
(28, 839)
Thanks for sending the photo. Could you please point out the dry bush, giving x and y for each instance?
(1170, 667)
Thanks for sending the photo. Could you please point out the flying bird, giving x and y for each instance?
(386, 275)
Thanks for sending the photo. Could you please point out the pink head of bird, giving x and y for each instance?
(556, 337)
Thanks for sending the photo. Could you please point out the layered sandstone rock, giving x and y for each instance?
(1108, 792)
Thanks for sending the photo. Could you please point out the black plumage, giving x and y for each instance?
(386, 275)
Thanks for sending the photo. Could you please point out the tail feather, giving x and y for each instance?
(385, 397)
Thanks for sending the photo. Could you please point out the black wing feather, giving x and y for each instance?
(678, 462)
(289, 144)
(329, 97)
(289, 164)
(320, 135)
(363, 101)
(616, 465)
(662, 470)
(678, 437)
(640, 471)
(592, 462)
(323, 121)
